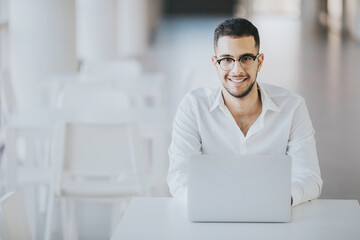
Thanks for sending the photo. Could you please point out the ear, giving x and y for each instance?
(213, 59)
(261, 61)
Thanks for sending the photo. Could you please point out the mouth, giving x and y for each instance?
(237, 80)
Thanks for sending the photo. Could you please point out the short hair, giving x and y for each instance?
(236, 27)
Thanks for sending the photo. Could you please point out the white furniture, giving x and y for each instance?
(24, 147)
(97, 161)
(145, 89)
(14, 224)
(7, 99)
(121, 67)
(153, 122)
(92, 96)
(165, 218)
(39, 124)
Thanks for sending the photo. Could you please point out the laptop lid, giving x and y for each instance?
(239, 188)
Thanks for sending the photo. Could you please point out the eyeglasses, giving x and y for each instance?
(246, 61)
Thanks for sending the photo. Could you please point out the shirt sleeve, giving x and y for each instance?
(185, 142)
(306, 177)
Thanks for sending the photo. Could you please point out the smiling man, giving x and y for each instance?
(244, 116)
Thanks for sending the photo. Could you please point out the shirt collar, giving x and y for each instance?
(218, 101)
(268, 103)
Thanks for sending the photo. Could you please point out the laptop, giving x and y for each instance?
(239, 188)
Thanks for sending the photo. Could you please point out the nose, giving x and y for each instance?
(237, 69)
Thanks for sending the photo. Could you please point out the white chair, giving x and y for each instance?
(14, 224)
(25, 163)
(193, 77)
(26, 167)
(97, 161)
(7, 98)
(92, 96)
(121, 68)
(201, 76)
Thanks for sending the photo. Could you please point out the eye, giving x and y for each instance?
(227, 60)
(246, 59)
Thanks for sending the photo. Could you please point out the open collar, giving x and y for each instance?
(267, 101)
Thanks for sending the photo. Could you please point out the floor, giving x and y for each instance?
(322, 67)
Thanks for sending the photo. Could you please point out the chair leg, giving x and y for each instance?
(63, 206)
(70, 230)
(31, 208)
(42, 195)
(11, 161)
(50, 216)
(117, 212)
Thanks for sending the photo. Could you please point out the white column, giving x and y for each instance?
(335, 16)
(96, 29)
(133, 27)
(353, 17)
(42, 38)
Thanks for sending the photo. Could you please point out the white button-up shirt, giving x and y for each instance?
(204, 125)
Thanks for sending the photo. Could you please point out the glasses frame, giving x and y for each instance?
(238, 59)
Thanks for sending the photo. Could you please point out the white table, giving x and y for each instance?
(164, 218)
(148, 86)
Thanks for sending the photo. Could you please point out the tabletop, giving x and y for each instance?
(144, 116)
(145, 84)
(165, 218)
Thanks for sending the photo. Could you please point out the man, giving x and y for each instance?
(244, 116)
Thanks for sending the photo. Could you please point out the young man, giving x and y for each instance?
(244, 116)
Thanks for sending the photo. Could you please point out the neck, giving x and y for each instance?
(248, 105)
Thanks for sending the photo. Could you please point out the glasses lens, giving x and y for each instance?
(227, 64)
(247, 61)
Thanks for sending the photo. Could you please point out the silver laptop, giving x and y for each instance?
(239, 188)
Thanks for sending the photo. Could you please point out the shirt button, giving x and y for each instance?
(243, 147)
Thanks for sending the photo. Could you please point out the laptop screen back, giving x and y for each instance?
(239, 188)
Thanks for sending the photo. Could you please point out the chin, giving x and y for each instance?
(241, 94)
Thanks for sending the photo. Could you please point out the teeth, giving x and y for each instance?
(237, 81)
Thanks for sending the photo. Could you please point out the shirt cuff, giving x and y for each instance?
(296, 193)
(181, 196)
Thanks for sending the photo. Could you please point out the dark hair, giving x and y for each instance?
(236, 27)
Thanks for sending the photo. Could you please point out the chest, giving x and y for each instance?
(220, 134)
(245, 122)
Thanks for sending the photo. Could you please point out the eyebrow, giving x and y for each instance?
(228, 55)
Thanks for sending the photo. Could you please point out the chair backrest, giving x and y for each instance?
(96, 150)
(7, 97)
(92, 96)
(13, 220)
(202, 76)
(125, 67)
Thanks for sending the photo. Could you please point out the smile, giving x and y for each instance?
(237, 80)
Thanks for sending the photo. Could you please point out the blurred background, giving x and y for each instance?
(96, 62)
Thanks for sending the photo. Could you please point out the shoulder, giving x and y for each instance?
(277, 93)
(285, 99)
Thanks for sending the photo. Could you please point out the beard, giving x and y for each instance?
(246, 92)
(243, 94)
